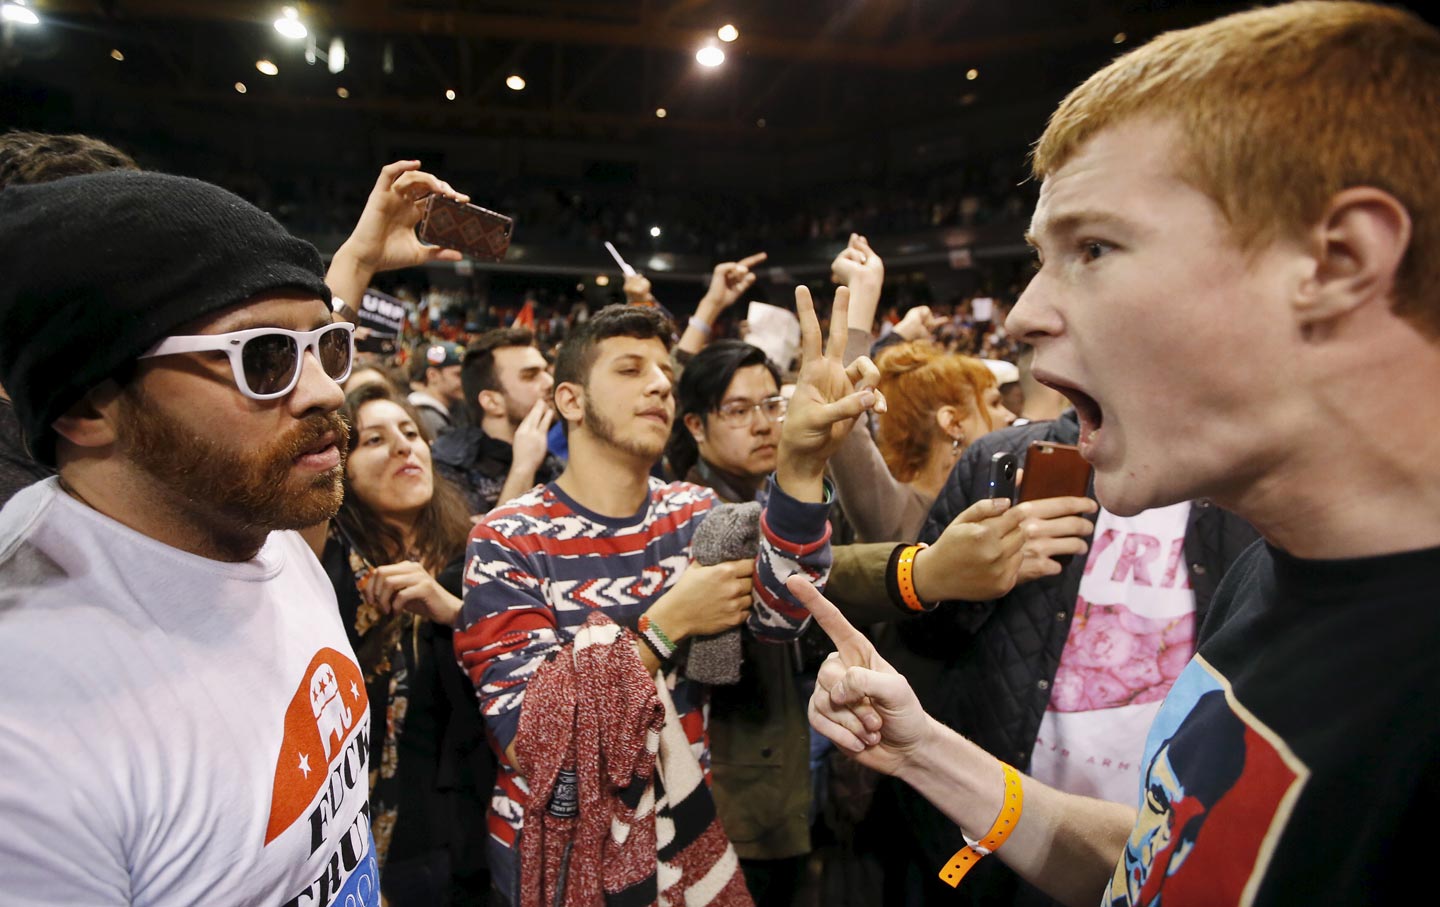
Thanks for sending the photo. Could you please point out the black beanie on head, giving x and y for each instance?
(96, 269)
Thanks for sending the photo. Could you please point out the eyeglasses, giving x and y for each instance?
(738, 413)
(266, 361)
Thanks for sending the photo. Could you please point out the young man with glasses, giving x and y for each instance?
(728, 412)
(184, 718)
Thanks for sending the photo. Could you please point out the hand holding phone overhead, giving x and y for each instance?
(479, 233)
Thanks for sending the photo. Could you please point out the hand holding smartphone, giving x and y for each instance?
(480, 233)
(1051, 471)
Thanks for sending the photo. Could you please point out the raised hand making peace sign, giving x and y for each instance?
(828, 399)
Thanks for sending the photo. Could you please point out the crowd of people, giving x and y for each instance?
(631, 612)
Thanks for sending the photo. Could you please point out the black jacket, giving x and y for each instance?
(985, 668)
(477, 464)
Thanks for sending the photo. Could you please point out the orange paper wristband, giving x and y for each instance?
(905, 577)
(967, 856)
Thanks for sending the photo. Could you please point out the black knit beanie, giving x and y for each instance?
(96, 269)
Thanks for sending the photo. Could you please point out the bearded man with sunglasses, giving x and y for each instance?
(183, 719)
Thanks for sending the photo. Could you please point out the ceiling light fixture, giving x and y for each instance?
(289, 24)
(240, 87)
(661, 113)
(973, 74)
(655, 232)
(117, 56)
(710, 56)
(268, 68)
(727, 33)
(342, 92)
(1119, 37)
(515, 82)
(602, 280)
(18, 13)
(335, 59)
(449, 94)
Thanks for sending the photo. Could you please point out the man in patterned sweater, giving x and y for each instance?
(606, 535)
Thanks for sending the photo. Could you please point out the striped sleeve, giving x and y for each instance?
(506, 627)
(794, 538)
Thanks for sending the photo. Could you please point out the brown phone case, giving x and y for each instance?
(1054, 471)
(478, 232)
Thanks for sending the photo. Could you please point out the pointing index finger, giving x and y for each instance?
(855, 649)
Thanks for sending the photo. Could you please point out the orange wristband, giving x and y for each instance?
(905, 577)
(967, 856)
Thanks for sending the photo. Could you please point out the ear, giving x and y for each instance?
(948, 419)
(1357, 246)
(570, 401)
(695, 424)
(492, 403)
(91, 421)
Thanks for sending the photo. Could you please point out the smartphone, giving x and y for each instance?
(480, 233)
(1054, 471)
(1002, 476)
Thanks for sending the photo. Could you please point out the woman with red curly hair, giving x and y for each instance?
(939, 403)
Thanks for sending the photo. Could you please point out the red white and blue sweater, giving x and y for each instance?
(538, 565)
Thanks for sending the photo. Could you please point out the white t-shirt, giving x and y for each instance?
(174, 730)
(1132, 634)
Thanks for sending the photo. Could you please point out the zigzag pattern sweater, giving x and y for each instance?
(536, 568)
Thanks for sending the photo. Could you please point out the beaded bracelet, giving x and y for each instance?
(656, 639)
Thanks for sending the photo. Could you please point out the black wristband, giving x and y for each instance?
(892, 581)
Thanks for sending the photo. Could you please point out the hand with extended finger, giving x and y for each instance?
(919, 323)
(860, 702)
(706, 599)
(1053, 528)
(729, 281)
(977, 557)
(828, 398)
(384, 237)
(857, 266)
(408, 586)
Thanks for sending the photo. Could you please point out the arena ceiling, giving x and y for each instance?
(800, 70)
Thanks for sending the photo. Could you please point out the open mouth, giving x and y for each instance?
(1092, 417)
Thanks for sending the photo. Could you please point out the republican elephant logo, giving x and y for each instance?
(332, 718)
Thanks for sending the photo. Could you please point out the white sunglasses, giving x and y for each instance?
(266, 361)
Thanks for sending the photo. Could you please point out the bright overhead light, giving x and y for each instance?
(449, 94)
(661, 112)
(602, 280)
(972, 75)
(14, 12)
(728, 33)
(268, 68)
(335, 59)
(655, 231)
(240, 87)
(117, 56)
(342, 92)
(710, 55)
(515, 82)
(1119, 37)
(289, 24)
